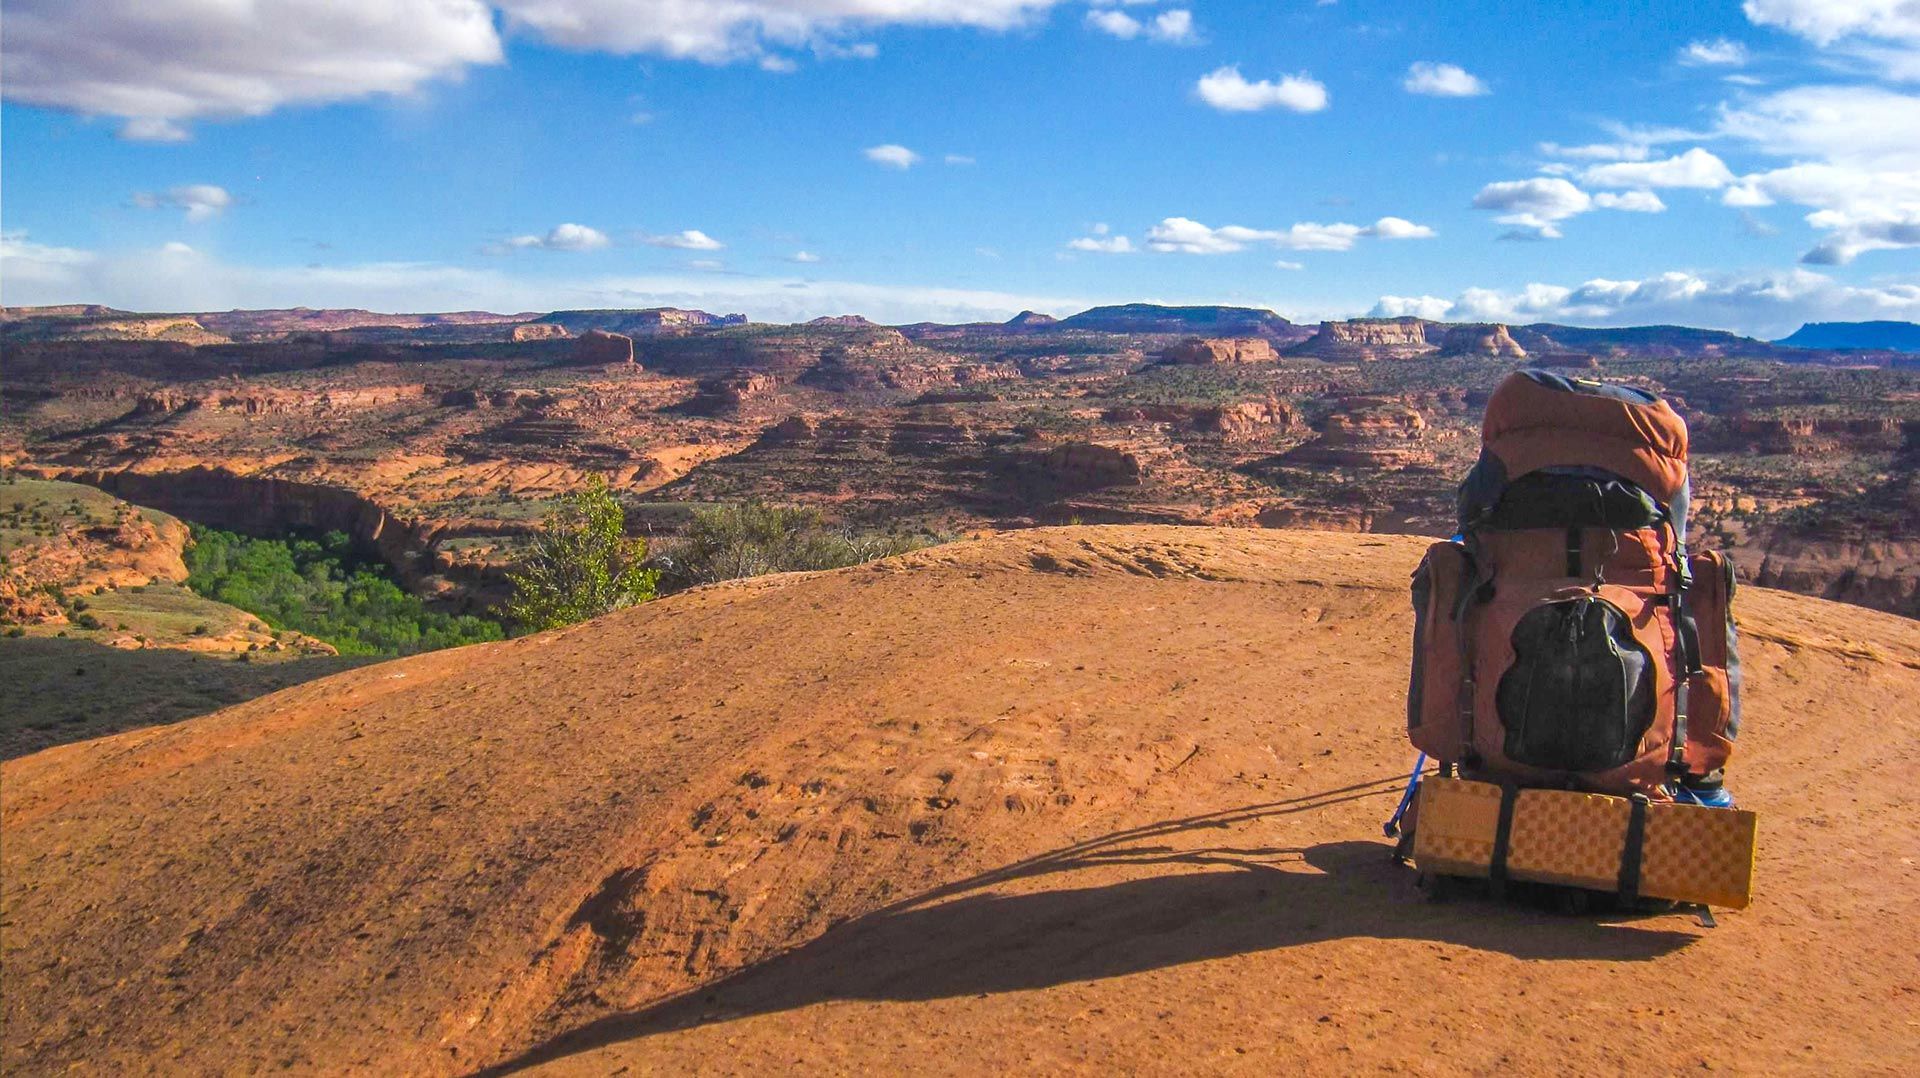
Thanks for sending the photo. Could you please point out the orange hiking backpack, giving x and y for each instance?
(1565, 637)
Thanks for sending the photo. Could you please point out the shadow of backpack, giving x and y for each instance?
(1565, 636)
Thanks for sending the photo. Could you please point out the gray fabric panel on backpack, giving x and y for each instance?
(1579, 695)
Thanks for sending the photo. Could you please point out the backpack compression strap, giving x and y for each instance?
(1686, 642)
(1476, 581)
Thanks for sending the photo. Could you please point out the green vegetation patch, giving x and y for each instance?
(320, 589)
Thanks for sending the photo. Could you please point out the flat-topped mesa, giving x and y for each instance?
(641, 322)
(839, 320)
(598, 347)
(1370, 339)
(1220, 350)
(1480, 339)
(1153, 318)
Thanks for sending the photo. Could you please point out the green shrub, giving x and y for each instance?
(752, 539)
(581, 564)
(88, 621)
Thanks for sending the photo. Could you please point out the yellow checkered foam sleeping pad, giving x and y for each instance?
(1689, 853)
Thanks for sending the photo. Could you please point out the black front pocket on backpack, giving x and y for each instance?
(1579, 696)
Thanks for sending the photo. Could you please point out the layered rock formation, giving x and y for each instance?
(643, 322)
(1238, 422)
(1480, 339)
(1806, 435)
(1090, 466)
(1371, 433)
(1369, 339)
(1217, 350)
(537, 331)
(260, 505)
(733, 392)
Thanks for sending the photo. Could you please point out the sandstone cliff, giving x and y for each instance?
(1208, 351)
(597, 347)
(1480, 339)
(1369, 339)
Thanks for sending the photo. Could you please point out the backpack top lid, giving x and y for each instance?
(1537, 419)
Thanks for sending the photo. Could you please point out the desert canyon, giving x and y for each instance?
(1093, 783)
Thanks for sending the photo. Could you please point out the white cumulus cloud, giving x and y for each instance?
(1229, 91)
(1115, 23)
(1188, 236)
(1694, 168)
(1884, 33)
(1767, 305)
(1399, 228)
(1431, 308)
(1102, 244)
(563, 237)
(1824, 22)
(1535, 206)
(1855, 164)
(892, 155)
(161, 63)
(1442, 80)
(1630, 201)
(1175, 27)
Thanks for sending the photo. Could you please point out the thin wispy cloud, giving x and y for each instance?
(200, 201)
(691, 239)
(1184, 235)
(1718, 52)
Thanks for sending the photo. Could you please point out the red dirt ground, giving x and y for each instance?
(1073, 799)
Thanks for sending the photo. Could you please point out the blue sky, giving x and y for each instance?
(1746, 166)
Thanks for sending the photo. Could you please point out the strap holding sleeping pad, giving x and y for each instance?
(1630, 854)
(1502, 840)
